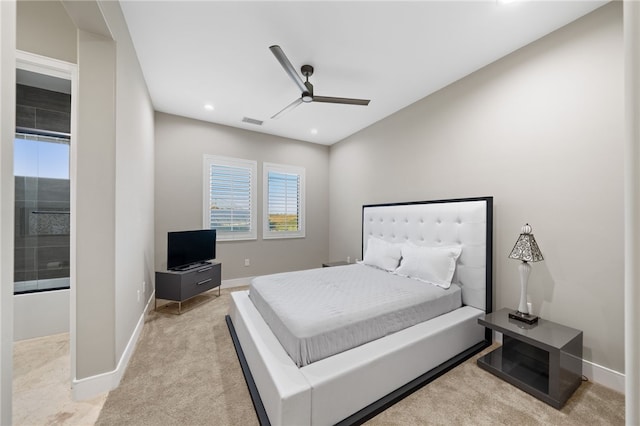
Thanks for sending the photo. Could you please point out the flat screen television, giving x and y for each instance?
(187, 249)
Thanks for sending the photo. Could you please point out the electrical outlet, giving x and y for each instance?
(247, 262)
(138, 295)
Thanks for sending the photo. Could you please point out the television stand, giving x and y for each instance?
(181, 285)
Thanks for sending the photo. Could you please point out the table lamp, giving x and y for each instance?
(526, 250)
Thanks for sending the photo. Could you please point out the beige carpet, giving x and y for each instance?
(41, 391)
(185, 372)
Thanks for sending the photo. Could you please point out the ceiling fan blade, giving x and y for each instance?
(348, 101)
(288, 108)
(289, 69)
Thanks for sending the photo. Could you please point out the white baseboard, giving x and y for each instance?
(237, 282)
(603, 376)
(595, 373)
(90, 387)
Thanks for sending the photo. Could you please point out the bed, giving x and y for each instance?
(353, 385)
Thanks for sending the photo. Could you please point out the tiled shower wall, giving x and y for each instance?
(42, 228)
(42, 109)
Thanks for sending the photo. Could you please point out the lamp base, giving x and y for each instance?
(520, 316)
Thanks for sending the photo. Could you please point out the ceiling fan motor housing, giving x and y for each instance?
(307, 70)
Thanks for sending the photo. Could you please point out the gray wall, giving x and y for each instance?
(134, 182)
(95, 206)
(540, 130)
(44, 28)
(180, 145)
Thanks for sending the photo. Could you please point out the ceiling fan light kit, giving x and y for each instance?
(306, 88)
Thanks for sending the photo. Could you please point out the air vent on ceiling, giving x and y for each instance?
(252, 121)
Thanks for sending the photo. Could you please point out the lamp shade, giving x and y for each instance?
(526, 248)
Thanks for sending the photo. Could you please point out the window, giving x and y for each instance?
(283, 212)
(230, 197)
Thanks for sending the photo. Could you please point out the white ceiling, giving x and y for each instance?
(392, 52)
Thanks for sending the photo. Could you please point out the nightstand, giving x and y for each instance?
(543, 359)
(337, 263)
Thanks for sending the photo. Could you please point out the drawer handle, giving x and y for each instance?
(208, 268)
(204, 282)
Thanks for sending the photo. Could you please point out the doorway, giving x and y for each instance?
(44, 248)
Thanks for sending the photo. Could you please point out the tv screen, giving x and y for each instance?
(187, 248)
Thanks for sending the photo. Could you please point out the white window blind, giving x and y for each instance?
(283, 201)
(230, 197)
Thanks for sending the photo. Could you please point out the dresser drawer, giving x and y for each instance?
(182, 285)
(200, 280)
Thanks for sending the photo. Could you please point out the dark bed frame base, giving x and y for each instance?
(371, 410)
(248, 377)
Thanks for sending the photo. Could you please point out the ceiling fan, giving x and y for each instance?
(305, 87)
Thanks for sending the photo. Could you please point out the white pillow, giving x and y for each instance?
(382, 254)
(434, 265)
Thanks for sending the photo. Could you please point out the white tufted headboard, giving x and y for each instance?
(465, 222)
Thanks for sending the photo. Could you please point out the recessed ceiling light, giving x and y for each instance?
(209, 107)
(314, 131)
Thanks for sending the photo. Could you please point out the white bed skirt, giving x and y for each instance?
(328, 391)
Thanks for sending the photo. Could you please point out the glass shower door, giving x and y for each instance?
(42, 212)
(42, 190)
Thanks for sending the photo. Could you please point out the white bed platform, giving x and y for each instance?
(353, 386)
